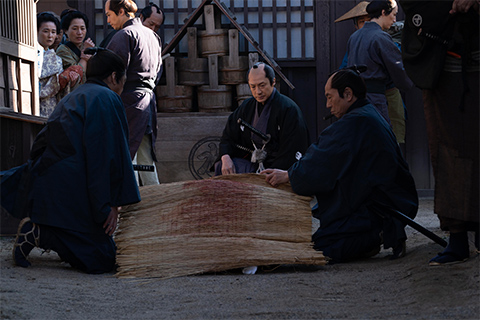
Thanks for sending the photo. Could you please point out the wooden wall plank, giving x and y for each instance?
(13, 83)
(16, 138)
(25, 76)
(3, 86)
(177, 135)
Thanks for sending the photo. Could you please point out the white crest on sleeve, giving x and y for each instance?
(417, 20)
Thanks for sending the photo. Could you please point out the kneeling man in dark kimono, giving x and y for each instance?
(271, 113)
(78, 174)
(355, 168)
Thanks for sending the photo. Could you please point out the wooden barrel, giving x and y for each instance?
(213, 42)
(214, 100)
(192, 71)
(232, 73)
(243, 93)
(180, 102)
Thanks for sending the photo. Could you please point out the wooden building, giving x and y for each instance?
(19, 104)
(299, 35)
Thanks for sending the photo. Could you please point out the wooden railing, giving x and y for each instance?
(18, 56)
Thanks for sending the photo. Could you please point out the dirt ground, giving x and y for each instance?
(375, 288)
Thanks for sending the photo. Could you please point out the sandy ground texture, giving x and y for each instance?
(375, 288)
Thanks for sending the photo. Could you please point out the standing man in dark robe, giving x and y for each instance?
(396, 108)
(440, 45)
(78, 174)
(373, 47)
(271, 113)
(151, 16)
(141, 51)
(355, 166)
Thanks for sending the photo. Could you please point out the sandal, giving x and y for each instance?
(446, 258)
(399, 251)
(28, 237)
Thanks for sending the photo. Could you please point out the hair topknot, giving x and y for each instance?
(350, 78)
(103, 63)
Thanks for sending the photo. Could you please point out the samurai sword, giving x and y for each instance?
(265, 137)
(407, 220)
(143, 167)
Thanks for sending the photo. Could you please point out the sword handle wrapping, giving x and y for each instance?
(142, 167)
(265, 137)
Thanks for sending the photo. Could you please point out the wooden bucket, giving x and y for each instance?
(214, 39)
(232, 69)
(215, 42)
(181, 101)
(192, 72)
(232, 74)
(243, 93)
(214, 99)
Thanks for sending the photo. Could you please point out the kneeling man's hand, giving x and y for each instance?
(276, 176)
(227, 165)
(110, 224)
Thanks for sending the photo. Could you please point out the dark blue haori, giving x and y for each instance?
(356, 163)
(79, 168)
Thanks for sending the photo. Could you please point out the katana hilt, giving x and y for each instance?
(143, 167)
(265, 137)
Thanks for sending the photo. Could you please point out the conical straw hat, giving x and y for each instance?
(357, 11)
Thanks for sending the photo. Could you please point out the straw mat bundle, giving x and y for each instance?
(193, 227)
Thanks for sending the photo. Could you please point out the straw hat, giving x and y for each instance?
(357, 11)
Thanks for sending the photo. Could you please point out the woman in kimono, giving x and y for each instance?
(54, 82)
(74, 25)
(78, 175)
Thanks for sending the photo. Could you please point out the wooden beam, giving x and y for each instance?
(253, 42)
(8, 113)
(243, 30)
(181, 33)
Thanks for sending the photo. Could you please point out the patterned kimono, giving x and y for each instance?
(70, 55)
(49, 82)
(55, 83)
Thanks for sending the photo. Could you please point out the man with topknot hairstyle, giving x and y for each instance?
(140, 49)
